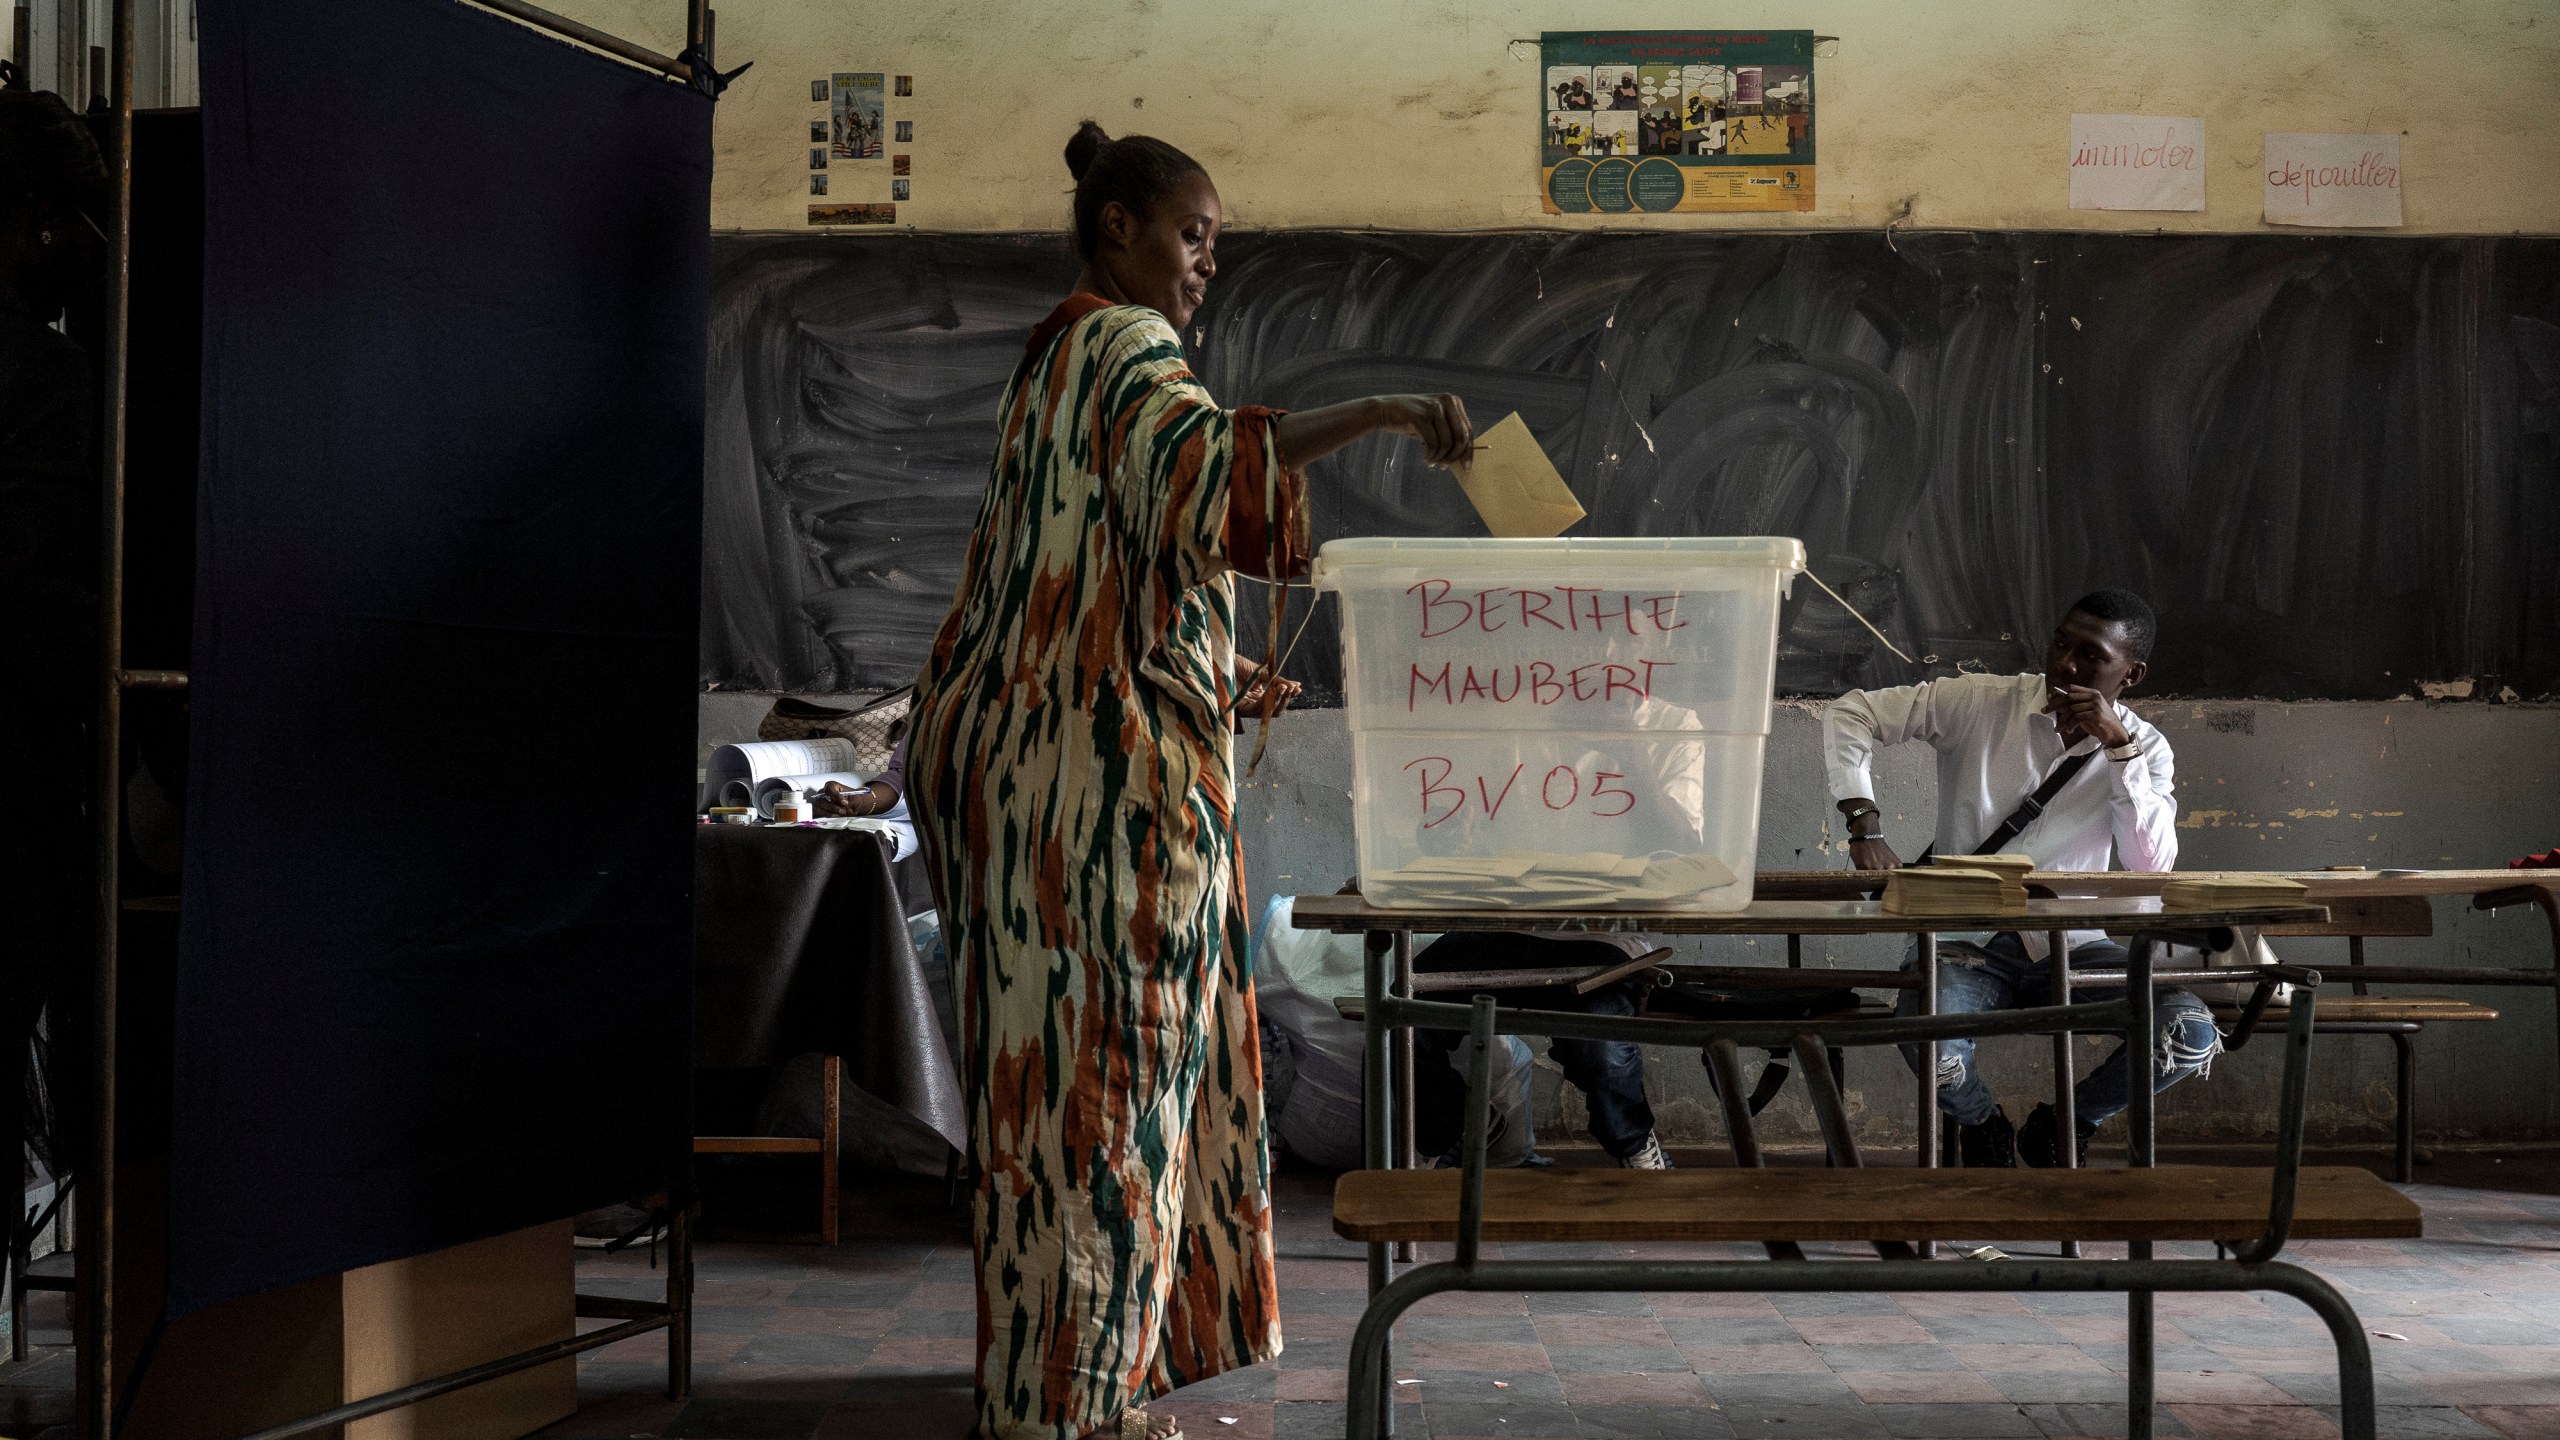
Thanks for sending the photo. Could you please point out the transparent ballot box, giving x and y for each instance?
(1549, 723)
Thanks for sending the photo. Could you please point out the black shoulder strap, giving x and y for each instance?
(2033, 806)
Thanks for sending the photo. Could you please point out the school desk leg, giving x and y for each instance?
(1377, 1127)
(2142, 1047)
(1928, 1158)
(2066, 1104)
(1406, 1252)
(2404, 1153)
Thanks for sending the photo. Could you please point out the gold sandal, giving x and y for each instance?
(1133, 1426)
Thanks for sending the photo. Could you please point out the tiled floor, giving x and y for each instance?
(874, 1339)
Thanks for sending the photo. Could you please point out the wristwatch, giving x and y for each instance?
(1854, 816)
(2126, 751)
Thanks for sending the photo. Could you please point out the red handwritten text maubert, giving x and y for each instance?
(1537, 682)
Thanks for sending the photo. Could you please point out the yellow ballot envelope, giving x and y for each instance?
(1514, 486)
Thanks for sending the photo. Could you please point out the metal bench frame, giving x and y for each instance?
(2254, 1266)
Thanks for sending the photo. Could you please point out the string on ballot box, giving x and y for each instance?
(1854, 615)
(1273, 667)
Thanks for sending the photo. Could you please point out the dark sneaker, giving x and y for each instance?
(2039, 1144)
(1455, 1157)
(1991, 1145)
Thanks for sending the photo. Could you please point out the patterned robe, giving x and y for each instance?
(1072, 754)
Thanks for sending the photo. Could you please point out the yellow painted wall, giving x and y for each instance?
(1422, 114)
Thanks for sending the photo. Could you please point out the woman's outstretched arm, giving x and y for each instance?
(1438, 421)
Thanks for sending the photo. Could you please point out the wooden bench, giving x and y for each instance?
(2399, 1016)
(2252, 1210)
(2228, 1206)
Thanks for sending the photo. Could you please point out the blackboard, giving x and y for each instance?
(2330, 461)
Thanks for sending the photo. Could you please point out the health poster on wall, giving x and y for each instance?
(1675, 120)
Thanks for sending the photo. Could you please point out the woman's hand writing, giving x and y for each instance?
(839, 800)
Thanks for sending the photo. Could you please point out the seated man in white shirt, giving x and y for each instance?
(1999, 738)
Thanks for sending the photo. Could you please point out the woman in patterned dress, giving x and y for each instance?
(1071, 772)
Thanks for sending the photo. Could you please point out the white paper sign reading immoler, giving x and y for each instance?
(2337, 181)
(2137, 162)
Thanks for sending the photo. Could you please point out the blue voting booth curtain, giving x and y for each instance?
(435, 970)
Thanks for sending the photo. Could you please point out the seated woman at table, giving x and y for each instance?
(885, 799)
(1609, 1073)
(2000, 739)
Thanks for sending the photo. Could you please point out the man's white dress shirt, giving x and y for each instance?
(1995, 745)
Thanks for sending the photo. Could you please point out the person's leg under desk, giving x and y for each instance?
(1971, 979)
(2188, 1038)
(1610, 1074)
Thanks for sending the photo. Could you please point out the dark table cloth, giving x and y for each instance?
(801, 947)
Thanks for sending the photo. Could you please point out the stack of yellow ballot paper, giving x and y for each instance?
(1949, 890)
(1540, 878)
(2232, 892)
(2012, 869)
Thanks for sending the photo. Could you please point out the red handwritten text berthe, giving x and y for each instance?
(1575, 609)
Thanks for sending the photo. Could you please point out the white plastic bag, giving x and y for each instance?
(1316, 1115)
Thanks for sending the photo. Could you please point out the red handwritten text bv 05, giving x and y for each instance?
(1562, 788)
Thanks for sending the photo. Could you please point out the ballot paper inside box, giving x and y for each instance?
(1558, 722)
(1541, 818)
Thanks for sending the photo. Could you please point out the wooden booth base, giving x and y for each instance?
(276, 1357)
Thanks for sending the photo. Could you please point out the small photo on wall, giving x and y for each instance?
(855, 114)
(1568, 132)
(818, 184)
(817, 132)
(898, 189)
(906, 131)
(906, 85)
(1569, 87)
(1617, 87)
(818, 91)
(818, 158)
(840, 214)
(898, 164)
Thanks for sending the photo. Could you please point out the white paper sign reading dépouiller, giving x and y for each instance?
(2336, 181)
(2137, 162)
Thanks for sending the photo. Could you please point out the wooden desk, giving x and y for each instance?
(1388, 1093)
(2324, 885)
(1352, 915)
(2361, 904)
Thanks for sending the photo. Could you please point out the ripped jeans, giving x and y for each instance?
(1999, 976)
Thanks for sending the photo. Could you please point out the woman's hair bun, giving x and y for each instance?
(1085, 144)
